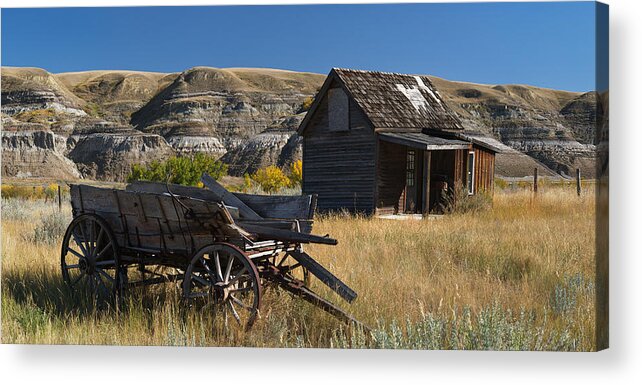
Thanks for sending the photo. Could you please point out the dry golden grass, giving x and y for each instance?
(518, 276)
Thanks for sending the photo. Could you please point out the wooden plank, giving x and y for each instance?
(163, 188)
(266, 233)
(229, 198)
(426, 179)
(304, 224)
(276, 224)
(325, 276)
(295, 287)
(313, 206)
(275, 206)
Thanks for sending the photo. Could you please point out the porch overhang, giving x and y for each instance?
(422, 141)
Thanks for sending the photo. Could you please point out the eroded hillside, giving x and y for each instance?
(96, 124)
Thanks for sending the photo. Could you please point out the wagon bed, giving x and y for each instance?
(222, 247)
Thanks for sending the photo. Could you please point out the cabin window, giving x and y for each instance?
(471, 173)
(338, 107)
(410, 168)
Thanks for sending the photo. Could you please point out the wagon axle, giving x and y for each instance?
(86, 266)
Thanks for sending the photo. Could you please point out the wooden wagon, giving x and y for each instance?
(222, 248)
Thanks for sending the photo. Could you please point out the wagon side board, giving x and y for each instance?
(155, 221)
(282, 207)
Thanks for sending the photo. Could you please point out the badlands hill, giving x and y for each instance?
(96, 124)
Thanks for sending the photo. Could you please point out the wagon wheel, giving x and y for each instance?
(292, 268)
(222, 275)
(89, 257)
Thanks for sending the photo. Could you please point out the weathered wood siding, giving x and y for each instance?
(156, 221)
(391, 177)
(339, 166)
(460, 169)
(484, 170)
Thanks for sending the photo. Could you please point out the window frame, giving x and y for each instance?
(470, 172)
(410, 167)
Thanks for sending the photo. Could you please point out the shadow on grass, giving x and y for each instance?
(50, 293)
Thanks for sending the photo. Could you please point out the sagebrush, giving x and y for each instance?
(518, 275)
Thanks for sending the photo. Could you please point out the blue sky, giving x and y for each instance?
(544, 44)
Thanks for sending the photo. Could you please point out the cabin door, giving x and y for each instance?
(413, 191)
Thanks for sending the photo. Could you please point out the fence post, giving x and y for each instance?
(59, 199)
(578, 182)
(535, 180)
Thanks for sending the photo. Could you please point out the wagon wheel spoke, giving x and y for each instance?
(80, 244)
(241, 290)
(282, 261)
(217, 261)
(69, 267)
(99, 237)
(238, 276)
(101, 252)
(92, 283)
(202, 281)
(102, 272)
(101, 283)
(84, 237)
(101, 287)
(210, 275)
(238, 302)
(235, 314)
(92, 234)
(74, 252)
(75, 281)
(228, 269)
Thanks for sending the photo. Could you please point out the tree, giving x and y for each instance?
(185, 170)
(307, 103)
(296, 173)
(271, 179)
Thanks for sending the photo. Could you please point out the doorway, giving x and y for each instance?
(413, 189)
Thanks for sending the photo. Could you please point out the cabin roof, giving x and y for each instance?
(422, 141)
(398, 101)
(482, 140)
(393, 101)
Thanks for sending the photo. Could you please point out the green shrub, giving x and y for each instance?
(185, 170)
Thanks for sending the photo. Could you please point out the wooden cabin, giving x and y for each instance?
(387, 143)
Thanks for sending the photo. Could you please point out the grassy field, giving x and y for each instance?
(517, 276)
